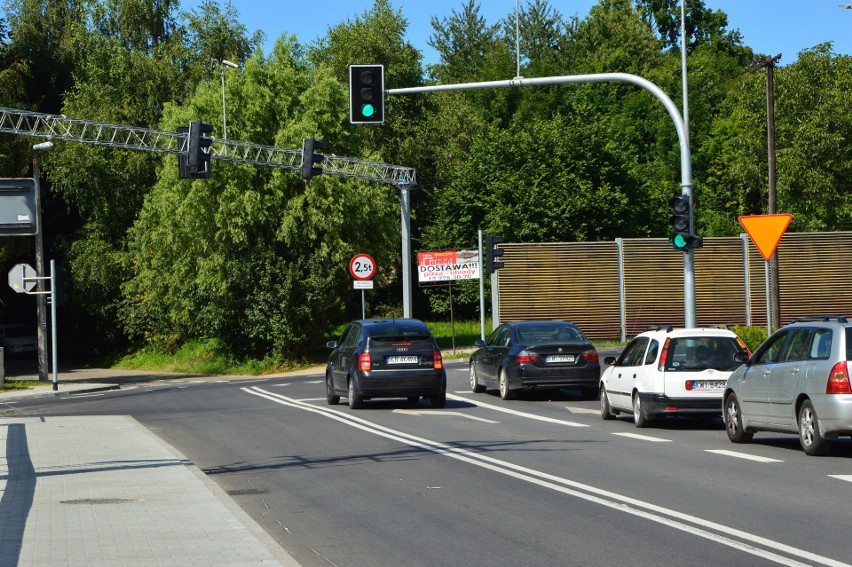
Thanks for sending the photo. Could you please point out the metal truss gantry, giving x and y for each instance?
(53, 127)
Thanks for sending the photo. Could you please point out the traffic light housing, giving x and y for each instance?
(681, 236)
(309, 158)
(492, 252)
(198, 154)
(183, 157)
(366, 94)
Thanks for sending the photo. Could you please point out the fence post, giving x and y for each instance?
(622, 308)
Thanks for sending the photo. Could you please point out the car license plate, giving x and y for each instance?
(559, 358)
(708, 384)
(402, 360)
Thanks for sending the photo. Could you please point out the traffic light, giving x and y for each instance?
(198, 155)
(492, 252)
(681, 235)
(183, 158)
(366, 94)
(309, 158)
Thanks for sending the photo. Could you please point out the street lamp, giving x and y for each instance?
(41, 298)
(222, 64)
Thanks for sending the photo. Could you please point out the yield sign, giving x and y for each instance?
(766, 231)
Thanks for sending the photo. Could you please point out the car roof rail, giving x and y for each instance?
(838, 318)
(666, 328)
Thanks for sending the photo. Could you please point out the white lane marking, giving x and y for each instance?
(315, 382)
(574, 409)
(625, 504)
(75, 396)
(643, 437)
(746, 456)
(516, 412)
(439, 412)
(309, 399)
(846, 477)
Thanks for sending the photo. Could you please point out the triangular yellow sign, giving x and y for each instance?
(766, 231)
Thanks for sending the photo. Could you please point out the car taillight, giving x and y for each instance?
(664, 355)
(364, 363)
(526, 356)
(838, 380)
(590, 356)
(437, 360)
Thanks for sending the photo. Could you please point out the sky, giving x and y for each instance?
(769, 27)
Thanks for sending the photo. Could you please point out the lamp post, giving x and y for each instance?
(222, 64)
(41, 298)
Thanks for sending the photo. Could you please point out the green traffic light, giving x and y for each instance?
(679, 241)
(368, 110)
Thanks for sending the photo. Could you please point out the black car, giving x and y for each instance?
(528, 355)
(385, 358)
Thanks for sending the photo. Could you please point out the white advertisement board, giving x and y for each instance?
(447, 266)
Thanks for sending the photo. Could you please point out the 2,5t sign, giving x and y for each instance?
(362, 267)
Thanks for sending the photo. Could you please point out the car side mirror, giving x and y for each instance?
(479, 343)
(609, 361)
(331, 344)
(741, 357)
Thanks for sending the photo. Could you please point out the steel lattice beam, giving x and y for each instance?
(55, 127)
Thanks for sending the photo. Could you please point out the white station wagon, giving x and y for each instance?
(667, 371)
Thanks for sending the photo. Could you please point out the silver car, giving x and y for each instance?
(796, 382)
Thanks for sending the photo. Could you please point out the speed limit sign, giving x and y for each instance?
(362, 267)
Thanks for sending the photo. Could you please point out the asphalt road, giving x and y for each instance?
(536, 481)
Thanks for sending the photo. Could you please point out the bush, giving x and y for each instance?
(753, 337)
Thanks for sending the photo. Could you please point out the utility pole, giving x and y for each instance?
(41, 298)
(774, 286)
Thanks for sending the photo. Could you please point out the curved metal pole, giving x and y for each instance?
(674, 114)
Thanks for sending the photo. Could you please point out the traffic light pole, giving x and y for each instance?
(674, 113)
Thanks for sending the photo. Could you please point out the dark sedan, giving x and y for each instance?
(529, 355)
(385, 358)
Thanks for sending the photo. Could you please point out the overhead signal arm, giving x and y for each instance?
(55, 127)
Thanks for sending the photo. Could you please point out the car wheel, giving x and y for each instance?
(475, 386)
(812, 441)
(734, 421)
(355, 399)
(332, 398)
(606, 409)
(439, 399)
(589, 393)
(505, 392)
(639, 416)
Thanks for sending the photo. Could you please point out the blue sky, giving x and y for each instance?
(768, 26)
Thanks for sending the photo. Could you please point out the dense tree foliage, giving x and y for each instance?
(256, 258)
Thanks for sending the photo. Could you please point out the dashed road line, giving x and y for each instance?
(578, 410)
(846, 477)
(443, 413)
(644, 437)
(516, 412)
(746, 456)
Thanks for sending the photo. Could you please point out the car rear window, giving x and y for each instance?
(848, 343)
(689, 354)
(532, 334)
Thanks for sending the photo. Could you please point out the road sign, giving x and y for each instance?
(362, 267)
(17, 275)
(360, 284)
(766, 231)
(18, 214)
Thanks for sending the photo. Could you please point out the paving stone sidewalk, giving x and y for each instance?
(105, 491)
